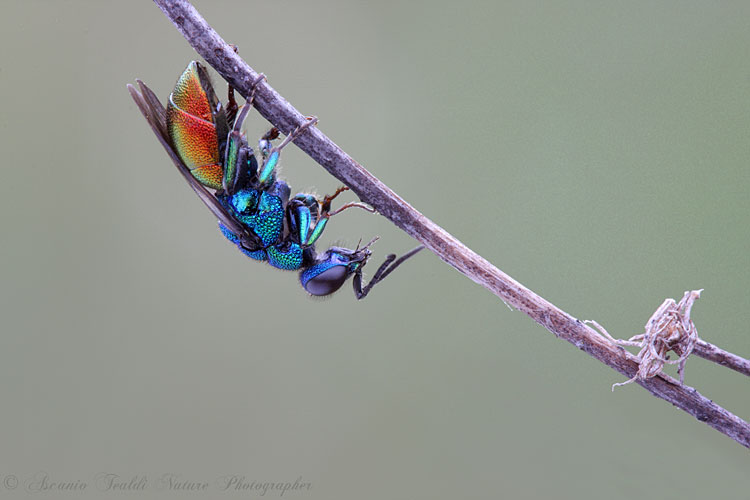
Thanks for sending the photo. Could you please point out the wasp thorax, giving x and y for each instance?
(245, 202)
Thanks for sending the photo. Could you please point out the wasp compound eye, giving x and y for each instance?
(326, 282)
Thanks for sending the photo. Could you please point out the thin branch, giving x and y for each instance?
(285, 117)
(720, 356)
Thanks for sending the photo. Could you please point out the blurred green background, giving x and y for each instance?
(595, 151)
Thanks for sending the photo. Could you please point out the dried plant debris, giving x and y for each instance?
(669, 329)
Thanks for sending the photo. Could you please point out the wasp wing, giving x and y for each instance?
(156, 116)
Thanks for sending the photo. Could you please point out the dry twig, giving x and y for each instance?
(370, 190)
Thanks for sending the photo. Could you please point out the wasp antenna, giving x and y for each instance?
(376, 238)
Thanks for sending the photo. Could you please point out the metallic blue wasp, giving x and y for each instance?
(254, 208)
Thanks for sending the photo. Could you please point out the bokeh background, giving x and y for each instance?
(595, 151)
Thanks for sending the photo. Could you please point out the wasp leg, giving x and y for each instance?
(232, 102)
(264, 144)
(326, 213)
(383, 271)
(302, 212)
(238, 157)
(232, 106)
(261, 78)
(352, 204)
(291, 136)
(326, 203)
(266, 172)
(309, 215)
